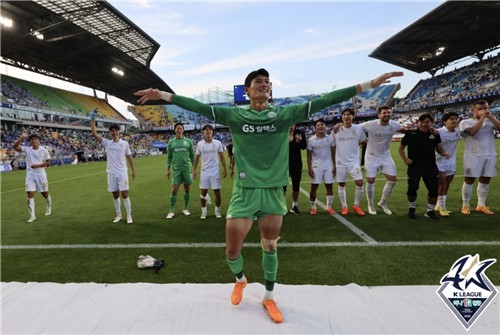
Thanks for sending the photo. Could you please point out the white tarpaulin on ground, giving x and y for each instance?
(143, 308)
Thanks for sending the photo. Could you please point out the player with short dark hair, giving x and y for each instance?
(260, 134)
(422, 144)
(480, 155)
(211, 152)
(180, 158)
(447, 167)
(37, 159)
(117, 155)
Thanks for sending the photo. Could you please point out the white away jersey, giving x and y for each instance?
(209, 152)
(449, 140)
(379, 137)
(33, 157)
(346, 142)
(116, 153)
(481, 144)
(321, 152)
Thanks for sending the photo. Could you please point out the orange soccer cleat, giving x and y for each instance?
(237, 294)
(272, 310)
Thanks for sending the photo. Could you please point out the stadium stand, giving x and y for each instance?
(18, 92)
(480, 80)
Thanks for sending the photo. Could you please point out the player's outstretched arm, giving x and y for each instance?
(380, 80)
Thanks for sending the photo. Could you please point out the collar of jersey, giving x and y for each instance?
(248, 108)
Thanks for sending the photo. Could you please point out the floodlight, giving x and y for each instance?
(117, 71)
(6, 22)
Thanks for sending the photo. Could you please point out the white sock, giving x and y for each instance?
(128, 206)
(268, 295)
(466, 194)
(294, 203)
(370, 191)
(358, 194)
(31, 206)
(118, 205)
(441, 201)
(313, 204)
(482, 193)
(49, 201)
(329, 201)
(217, 209)
(342, 196)
(203, 210)
(386, 192)
(430, 207)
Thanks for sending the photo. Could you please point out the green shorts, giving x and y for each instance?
(182, 177)
(253, 203)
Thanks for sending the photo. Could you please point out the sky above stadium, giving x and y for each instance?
(308, 47)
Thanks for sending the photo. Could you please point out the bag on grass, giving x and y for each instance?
(150, 262)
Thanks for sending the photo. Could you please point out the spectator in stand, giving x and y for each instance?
(37, 159)
(118, 154)
(296, 143)
(321, 165)
(378, 157)
(447, 166)
(346, 157)
(260, 134)
(211, 153)
(480, 155)
(180, 157)
(422, 144)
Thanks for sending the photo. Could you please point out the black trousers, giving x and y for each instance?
(429, 174)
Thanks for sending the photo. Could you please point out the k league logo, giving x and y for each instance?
(466, 290)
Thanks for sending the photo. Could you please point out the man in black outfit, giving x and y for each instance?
(421, 160)
(297, 141)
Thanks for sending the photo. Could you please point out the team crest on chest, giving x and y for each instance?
(272, 115)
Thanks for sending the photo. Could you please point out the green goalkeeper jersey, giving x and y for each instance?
(180, 154)
(261, 138)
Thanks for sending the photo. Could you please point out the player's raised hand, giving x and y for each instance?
(385, 78)
(147, 95)
(26, 133)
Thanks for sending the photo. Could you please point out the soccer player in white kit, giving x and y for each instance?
(378, 156)
(118, 154)
(37, 159)
(447, 166)
(346, 157)
(211, 152)
(320, 165)
(480, 155)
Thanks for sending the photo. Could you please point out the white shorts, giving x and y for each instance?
(117, 182)
(207, 182)
(354, 171)
(37, 183)
(482, 166)
(447, 169)
(322, 175)
(374, 164)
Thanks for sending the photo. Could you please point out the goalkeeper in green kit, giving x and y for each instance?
(180, 157)
(260, 136)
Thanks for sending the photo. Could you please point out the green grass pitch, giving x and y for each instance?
(79, 243)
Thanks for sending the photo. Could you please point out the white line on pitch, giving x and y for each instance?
(283, 244)
(364, 236)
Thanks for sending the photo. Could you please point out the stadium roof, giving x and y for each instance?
(454, 30)
(80, 41)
